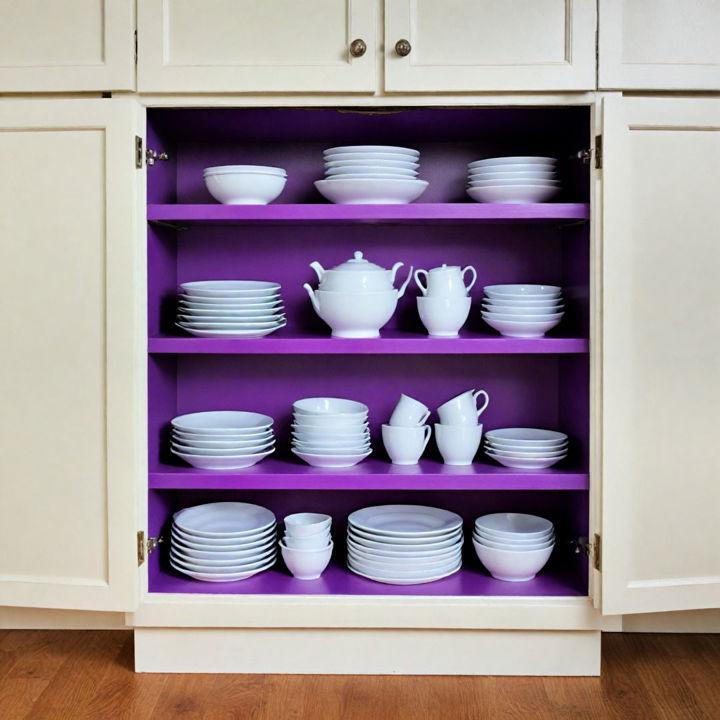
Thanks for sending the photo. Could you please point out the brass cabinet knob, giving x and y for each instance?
(358, 48)
(403, 47)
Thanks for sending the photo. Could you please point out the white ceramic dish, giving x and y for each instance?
(547, 317)
(244, 188)
(305, 524)
(512, 194)
(224, 519)
(387, 149)
(331, 423)
(329, 406)
(313, 435)
(244, 334)
(222, 452)
(239, 462)
(227, 556)
(524, 463)
(379, 542)
(402, 557)
(443, 316)
(248, 437)
(266, 303)
(230, 288)
(224, 564)
(527, 547)
(409, 156)
(490, 183)
(223, 422)
(404, 581)
(331, 440)
(523, 168)
(223, 315)
(223, 577)
(398, 164)
(512, 524)
(206, 324)
(443, 536)
(217, 444)
(512, 566)
(521, 329)
(514, 447)
(458, 444)
(332, 451)
(502, 309)
(371, 191)
(405, 521)
(306, 564)
(516, 540)
(220, 169)
(494, 174)
(368, 176)
(522, 435)
(538, 453)
(531, 292)
(313, 542)
(331, 461)
(246, 542)
(410, 568)
(513, 160)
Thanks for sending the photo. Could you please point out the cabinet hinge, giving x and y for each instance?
(138, 151)
(152, 156)
(592, 549)
(598, 152)
(585, 156)
(145, 547)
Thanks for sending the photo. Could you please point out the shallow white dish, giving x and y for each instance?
(222, 452)
(536, 453)
(502, 309)
(371, 191)
(225, 544)
(223, 422)
(512, 566)
(216, 304)
(230, 288)
(391, 149)
(205, 462)
(513, 539)
(246, 334)
(370, 157)
(410, 568)
(329, 423)
(227, 556)
(405, 521)
(244, 188)
(523, 290)
(223, 577)
(404, 581)
(490, 183)
(314, 435)
(420, 543)
(223, 564)
(497, 174)
(331, 461)
(212, 314)
(341, 165)
(513, 160)
(332, 451)
(402, 556)
(513, 447)
(375, 175)
(329, 406)
(220, 169)
(224, 519)
(525, 463)
(521, 329)
(523, 435)
(532, 318)
(512, 194)
(513, 524)
(249, 437)
(526, 547)
(207, 324)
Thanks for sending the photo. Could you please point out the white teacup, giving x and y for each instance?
(409, 412)
(462, 409)
(405, 445)
(458, 444)
(443, 316)
(445, 281)
(313, 542)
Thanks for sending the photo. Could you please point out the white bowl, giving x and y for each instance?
(331, 461)
(513, 540)
(502, 309)
(329, 406)
(443, 316)
(523, 290)
(524, 463)
(516, 547)
(512, 194)
(527, 436)
(312, 434)
(354, 315)
(305, 524)
(491, 183)
(332, 451)
(205, 462)
(521, 329)
(244, 188)
(222, 452)
(519, 301)
(331, 439)
(494, 174)
(513, 160)
(371, 191)
(370, 157)
(223, 422)
(539, 318)
(391, 149)
(230, 288)
(512, 524)
(306, 564)
(512, 566)
(266, 169)
(314, 542)
(340, 424)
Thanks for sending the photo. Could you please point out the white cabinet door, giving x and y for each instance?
(71, 366)
(490, 45)
(220, 46)
(67, 45)
(661, 354)
(659, 44)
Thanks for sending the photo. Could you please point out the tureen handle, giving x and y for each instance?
(401, 290)
(313, 297)
(319, 269)
(394, 270)
(418, 274)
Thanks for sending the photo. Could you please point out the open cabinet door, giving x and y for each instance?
(72, 371)
(661, 354)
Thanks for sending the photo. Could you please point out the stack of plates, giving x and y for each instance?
(230, 308)
(513, 546)
(404, 544)
(330, 432)
(222, 439)
(526, 311)
(222, 542)
(372, 174)
(520, 179)
(526, 448)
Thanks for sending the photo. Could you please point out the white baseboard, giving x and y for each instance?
(22, 618)
(687, 621)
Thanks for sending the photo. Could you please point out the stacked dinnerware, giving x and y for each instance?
(526, 448)
(458, 433)
(330, 432)
(404, 544)
(513, 546)
(244, 184)
(520, 179)
(222, 439)
(445, 303)
(406, 435)
(523, 311)
(230, 308)
(223, 541)
(371, 174)
(307, 546)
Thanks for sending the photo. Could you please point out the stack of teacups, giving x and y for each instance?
(330, 432)
(458, 433)
(244, 184)
(519, 179)
(445, 304)
(307, 546)
(524, 311)
(526, 448)
(222, 439)
(513, 546)
(406, 436)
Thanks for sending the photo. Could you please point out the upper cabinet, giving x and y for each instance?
(489, 45)
(67, 45)
(225, 46)
(659, 45)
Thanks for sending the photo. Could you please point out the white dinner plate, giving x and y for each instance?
(246, 334)
(223, 422)
(396, 581)
(230, 288)
(408, 569)
(525, 463)
(513, 160)
(234, 564)
(250, 303)
(392, 149)
(223, 577)
(402, 558)
(224, 519)
(247, 542)
(369, 157)
(398, 543)
(405, 521)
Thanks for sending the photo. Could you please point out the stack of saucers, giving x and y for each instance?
(223, 542)
(519, 179)
(371, 174)
(526, 448)
(513, 546)
(330, 432)
(404, 544)
(222, 439)
(524, 311)
(230, 308)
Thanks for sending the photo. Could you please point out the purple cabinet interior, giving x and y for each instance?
(541, 383)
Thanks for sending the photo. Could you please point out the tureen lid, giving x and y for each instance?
(358, 264)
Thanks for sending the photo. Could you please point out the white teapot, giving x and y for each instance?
(358, 275)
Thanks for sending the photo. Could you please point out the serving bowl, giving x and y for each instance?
(512, 194)
(363, 191)
(331, 461)
(244, 187)
(517, 329)
(511, 565)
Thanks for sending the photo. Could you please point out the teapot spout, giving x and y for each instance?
(393, 271)
(313, 298)
(319, 269)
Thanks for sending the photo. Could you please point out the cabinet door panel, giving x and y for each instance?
(71, 378)
(661, 354)
(246, 46)
(659, 44)
(67, 45)
(490, 45)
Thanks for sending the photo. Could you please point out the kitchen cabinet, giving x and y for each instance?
(67, 45)
(659, 45)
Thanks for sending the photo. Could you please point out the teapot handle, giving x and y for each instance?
(393, 271)
(418, 275)
(313, 297)
(474, 278)
(319, 270)
(401, 289)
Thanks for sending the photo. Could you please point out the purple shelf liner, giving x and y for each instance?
(288, 342)
(417, 212)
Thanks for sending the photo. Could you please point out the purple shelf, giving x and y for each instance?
(372, 474)
(426, 213)
(392, 343)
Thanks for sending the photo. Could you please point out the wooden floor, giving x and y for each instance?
(76, 675)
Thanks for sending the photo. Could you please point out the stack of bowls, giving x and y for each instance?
(520, 179)
(523, 311)
(230, 308)
(244, 184)
(223, 542)
(330, 432)
(371, 174)
(307, 546)
(513, 546)
(526, 448)
(404, 544)
(222, 439)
